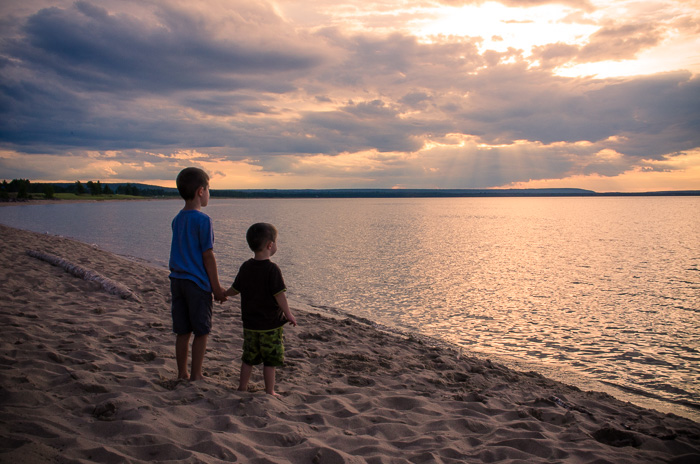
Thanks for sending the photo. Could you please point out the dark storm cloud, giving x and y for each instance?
(228, 105)
(661, 110)
(83, 76)
(88, 46)
(363, 126)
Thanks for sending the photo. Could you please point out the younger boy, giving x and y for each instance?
(264, 307)
(193, 273)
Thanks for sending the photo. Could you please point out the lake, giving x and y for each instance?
(602, 293)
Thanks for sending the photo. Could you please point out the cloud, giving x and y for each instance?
(88, 46)
(514, 103)
(117, 81)
(286, 92)
(617, 42)
(680, 170)
(579, 4)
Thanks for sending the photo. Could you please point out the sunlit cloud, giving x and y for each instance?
(677, 172)
(502, 27)
(70, 167)
(292, 94)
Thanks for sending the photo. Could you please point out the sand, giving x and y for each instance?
(89, 376)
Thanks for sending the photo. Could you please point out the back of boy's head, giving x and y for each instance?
(259, 235)
(189, 181)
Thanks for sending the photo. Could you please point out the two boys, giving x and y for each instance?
(194, 277)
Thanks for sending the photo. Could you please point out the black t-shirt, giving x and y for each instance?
(258, 282)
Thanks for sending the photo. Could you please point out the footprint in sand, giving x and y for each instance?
(105, 411)
(147, 356)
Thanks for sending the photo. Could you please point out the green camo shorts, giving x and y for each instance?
(263, 346)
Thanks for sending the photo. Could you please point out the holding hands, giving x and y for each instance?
(220, 294)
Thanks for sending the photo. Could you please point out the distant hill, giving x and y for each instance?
(157, 191)
(429, 193)
(397, 193)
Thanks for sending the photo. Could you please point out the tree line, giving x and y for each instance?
(22, 189)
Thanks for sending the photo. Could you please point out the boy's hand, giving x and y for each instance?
(284, 305)
(220, 295)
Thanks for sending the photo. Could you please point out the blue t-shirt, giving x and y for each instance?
(193, 234)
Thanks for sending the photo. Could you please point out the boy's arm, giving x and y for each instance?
(282, 301)
(213, 273)
(232, 291)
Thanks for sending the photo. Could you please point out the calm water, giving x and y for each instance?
(603, 293)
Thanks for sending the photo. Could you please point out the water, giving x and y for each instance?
(602, 293)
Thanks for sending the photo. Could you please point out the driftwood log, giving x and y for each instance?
(111, 286)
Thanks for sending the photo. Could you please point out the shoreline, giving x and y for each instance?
(226, 194)
(572, 378)
(90, 376)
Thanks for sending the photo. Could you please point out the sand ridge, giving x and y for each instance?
(86, 376)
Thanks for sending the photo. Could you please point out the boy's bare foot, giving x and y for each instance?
(275, 394)
(183, 377)
(195, 378)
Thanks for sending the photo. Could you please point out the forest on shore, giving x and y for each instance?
(24, 189)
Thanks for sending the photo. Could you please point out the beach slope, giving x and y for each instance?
(88, 375)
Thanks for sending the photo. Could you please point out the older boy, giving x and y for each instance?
(264, 307)
(193, 272)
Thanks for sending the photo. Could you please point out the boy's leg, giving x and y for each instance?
(182, 346)
(269, 376)
(246, 370)
(199, 347)
(199, 305)
(272, 349)
(181, 326)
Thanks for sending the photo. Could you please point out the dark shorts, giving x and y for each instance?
(191, 308)
(263, 346)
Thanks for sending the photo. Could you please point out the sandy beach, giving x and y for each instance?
(88, 375)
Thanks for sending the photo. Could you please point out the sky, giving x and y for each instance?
(595, 94)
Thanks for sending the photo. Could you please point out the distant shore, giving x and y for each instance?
(36, 201)
(90, 376)
(171, 193)
(437, 193)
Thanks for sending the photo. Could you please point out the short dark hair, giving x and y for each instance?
(189, 181)
(260, 234)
